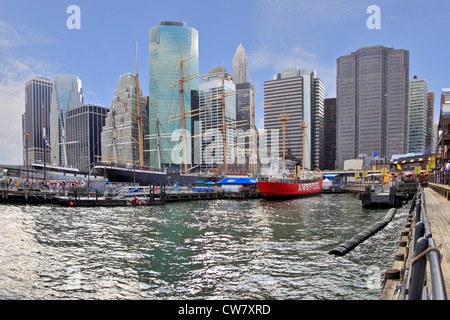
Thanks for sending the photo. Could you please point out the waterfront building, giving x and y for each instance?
(329, 158)
(372, 103)
(84, 126)
(36, 124)
(300, 95)
(120, 134)
(418, 113)
(171, 42)
(211, 119)
(443, 141)
(431, 132)
(67, 94)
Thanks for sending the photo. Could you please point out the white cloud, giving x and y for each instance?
(18, 36)
(15, 69)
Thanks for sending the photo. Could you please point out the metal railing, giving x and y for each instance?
(424, 248)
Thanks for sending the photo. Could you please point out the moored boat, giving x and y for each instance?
(302, 183)
(289, 188)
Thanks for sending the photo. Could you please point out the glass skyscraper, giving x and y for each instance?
(67, 94)
(418, 113)
(170, 43)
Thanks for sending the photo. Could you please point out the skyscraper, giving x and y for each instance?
(300, 95)
(418, 112)
(431, 136)
(38, 95)
(211, 119)
(173, 68)
(84, 126)
(120, 135)
(443, 146)
(244, 90)
(67, 94)
(240, 66)
(329, 135)
(372, 103)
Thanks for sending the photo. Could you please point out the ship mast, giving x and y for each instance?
(303, 126)
(182, 115)
(138, 117)
(284, 118)
(226, 124)
(254, 133)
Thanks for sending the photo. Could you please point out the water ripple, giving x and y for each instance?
(222, 249)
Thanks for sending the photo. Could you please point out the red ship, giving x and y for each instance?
(301, 184)
(290, 188)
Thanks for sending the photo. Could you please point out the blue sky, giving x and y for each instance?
(34, 40)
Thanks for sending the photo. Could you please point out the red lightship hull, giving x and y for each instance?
(278, 189)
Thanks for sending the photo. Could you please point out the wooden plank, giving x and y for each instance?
(438, 213)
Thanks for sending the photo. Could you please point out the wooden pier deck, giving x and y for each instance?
(438, 214)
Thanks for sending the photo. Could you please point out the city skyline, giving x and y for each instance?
(35, 41)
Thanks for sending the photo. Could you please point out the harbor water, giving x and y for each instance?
(212, 249)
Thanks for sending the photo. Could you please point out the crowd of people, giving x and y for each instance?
(443, 175)
(51, 185)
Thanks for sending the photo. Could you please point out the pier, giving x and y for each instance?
(80, 198)
(375, 195)
(421, 268)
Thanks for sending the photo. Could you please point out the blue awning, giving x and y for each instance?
(237, 181)
(330, 175)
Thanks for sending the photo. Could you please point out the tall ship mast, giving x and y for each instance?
(147, 176)
(183, 115)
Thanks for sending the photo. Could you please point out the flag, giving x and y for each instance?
(398, 167)
(375, 154)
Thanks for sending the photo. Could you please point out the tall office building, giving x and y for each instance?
(443, 140)
(418, 113)
(211, 153)
(36, 124)
(244, 99)
(120, 134)
(84, 126)
(171, 42)
(299, 94)
(244, 91)
(67, 94)
(240, 66)
(329, 154)
(372, 103)
(431, 136)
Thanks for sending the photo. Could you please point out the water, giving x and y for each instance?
(221, 249)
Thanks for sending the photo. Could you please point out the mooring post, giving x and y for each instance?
(418, 270)
(419, 231)
(418, 204)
